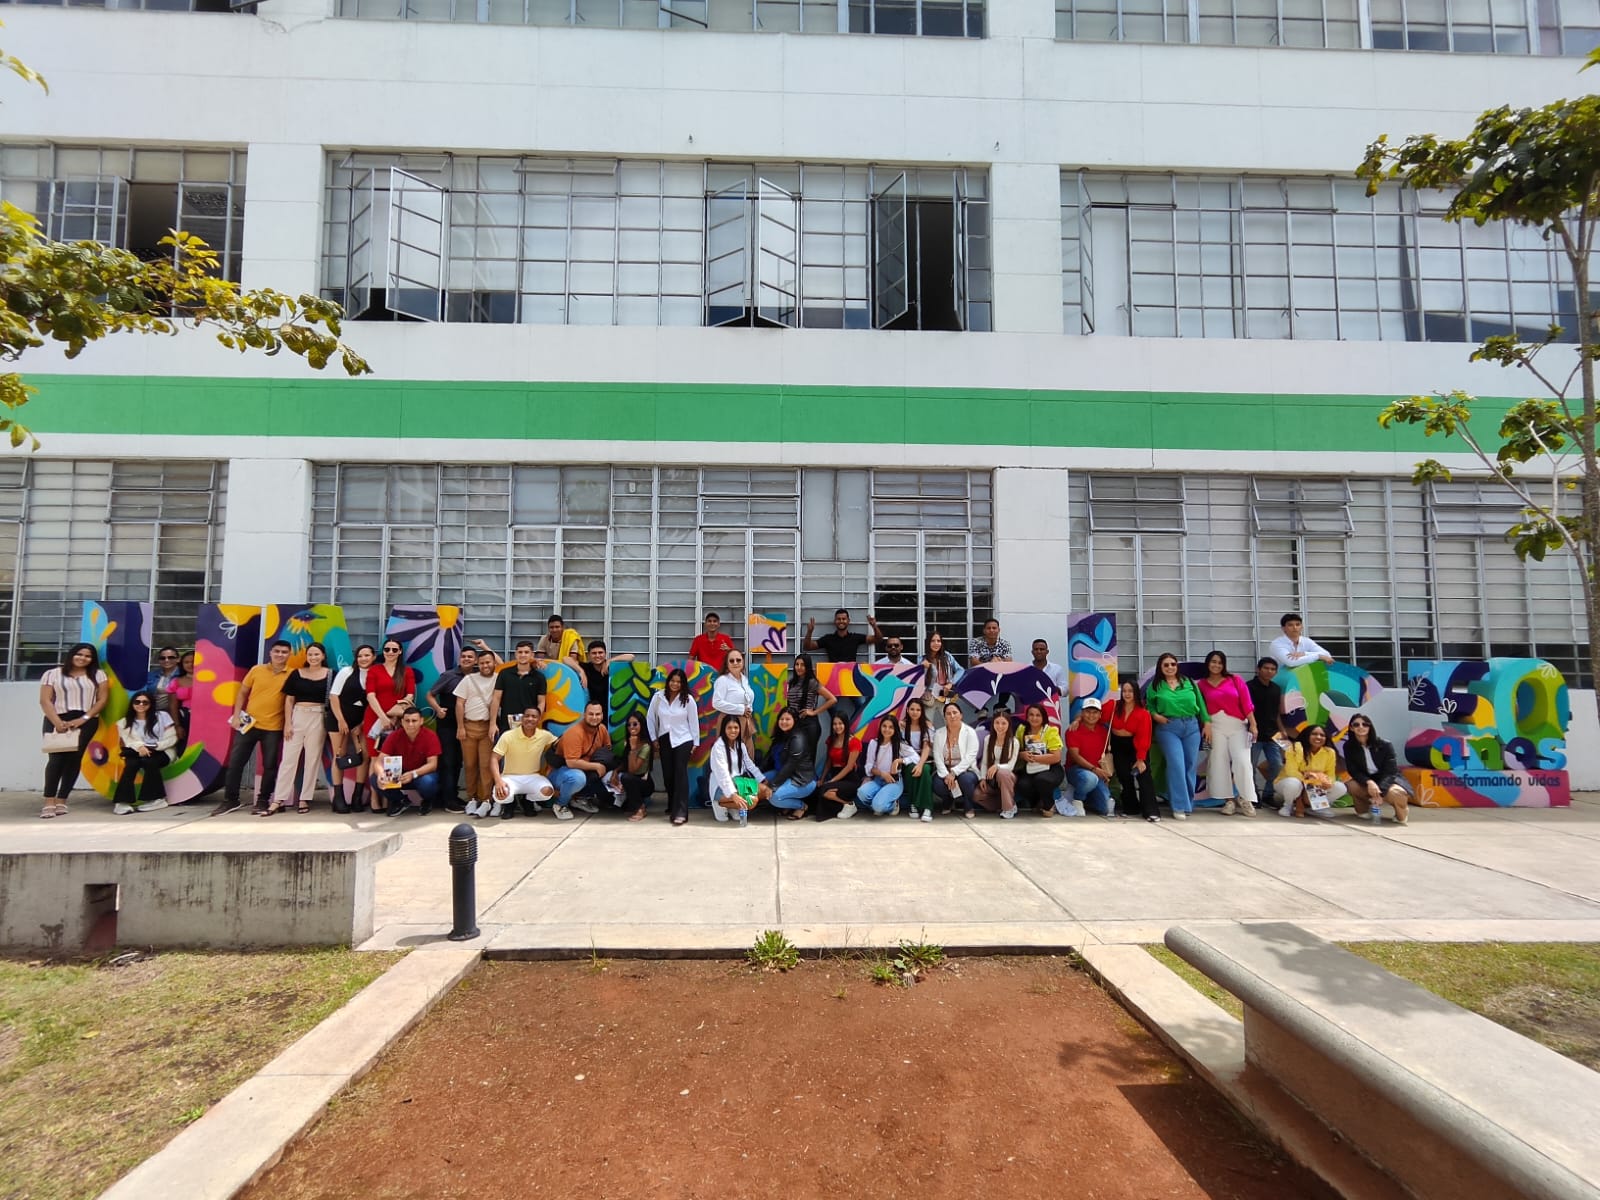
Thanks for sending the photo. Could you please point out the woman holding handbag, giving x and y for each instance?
(391, 689)
(148, 736)
(1231, 730)
(71, 697)
(347, 712)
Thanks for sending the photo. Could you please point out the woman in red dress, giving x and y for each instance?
(391, 689)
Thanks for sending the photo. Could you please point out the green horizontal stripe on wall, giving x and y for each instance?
(331, 407)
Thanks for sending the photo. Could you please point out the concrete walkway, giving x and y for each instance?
(601, 882)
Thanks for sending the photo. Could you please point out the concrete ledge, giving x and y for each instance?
(1213, 1044)
(573, 940)
(216, 889)
(247, 1131)
(1446, 1101)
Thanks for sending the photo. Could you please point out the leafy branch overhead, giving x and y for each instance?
(1538, 168)
(74, 293)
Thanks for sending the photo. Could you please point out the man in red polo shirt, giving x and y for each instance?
(712, 646)
(417, 748)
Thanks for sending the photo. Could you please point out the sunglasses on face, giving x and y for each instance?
(141, 703)
(391, 649)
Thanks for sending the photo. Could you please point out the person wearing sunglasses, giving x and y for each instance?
(147, 735)
(391, 690)
(159, 682)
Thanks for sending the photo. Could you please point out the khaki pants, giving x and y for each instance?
(992, 798)
(1396, 795)
(304, 739)
(477, 746)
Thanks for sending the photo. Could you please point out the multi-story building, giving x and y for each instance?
(935, 309)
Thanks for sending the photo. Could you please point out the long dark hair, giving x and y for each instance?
(683, 686)
(738, 732)
(1138, 693)
(842, 738)
(894, 736)
(94, 659)
(1372, 731)
(921, 725)
(989, 755)
(1226, 674)
(633, 722)
(1305, 738)
(150, 715)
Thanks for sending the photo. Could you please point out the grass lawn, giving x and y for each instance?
(1547, 991)
(100, 1066)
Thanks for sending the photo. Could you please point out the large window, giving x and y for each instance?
(924, 18)
(1383, 571)
(639, 554)
(603, 242)
(1570, 27)
(131, 198)
(1297, 257)
(75, 531)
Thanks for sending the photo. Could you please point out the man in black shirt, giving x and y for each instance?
(597, 674)
(1266, 697)
(517, 690)
(841, 645)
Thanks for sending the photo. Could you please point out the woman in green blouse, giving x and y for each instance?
(1179, 714)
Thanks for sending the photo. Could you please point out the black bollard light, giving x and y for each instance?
(464, 882)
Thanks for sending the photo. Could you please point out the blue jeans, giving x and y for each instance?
(789, 794)
(569, 782)
(1090, 789)
(879, 796)
(426, 786)
(1268, 757)
(1179, 740)
(967, 781)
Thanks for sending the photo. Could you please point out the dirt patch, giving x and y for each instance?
(1566, 1022)
(996, 1078)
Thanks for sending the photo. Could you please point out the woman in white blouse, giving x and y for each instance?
(71, 697)
(955, 761)
(731, 760)
(997, 778)
(148, 736)
(673, 721)
(733, 696)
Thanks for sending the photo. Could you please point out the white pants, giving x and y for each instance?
(1289, 789)
(1228, 770)
(535, 786)
(304, 743)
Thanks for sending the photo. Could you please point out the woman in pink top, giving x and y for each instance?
(1230, 731)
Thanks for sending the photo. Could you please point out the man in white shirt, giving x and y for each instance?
(1041, 660)
(1294, 649)
(895, 657)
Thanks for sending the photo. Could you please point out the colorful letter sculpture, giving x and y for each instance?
(302, 624)
(1091, 659)
(430, 637)
(119, 630)
(1488, 734)
(983, 685)
(766, 634)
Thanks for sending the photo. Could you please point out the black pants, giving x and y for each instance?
(1037, 789)
(61, 770)
(1131, 785)
(675, 775)
(449, 762)
(636, 789)
(967, 781)
(151, 787)
(244, 745)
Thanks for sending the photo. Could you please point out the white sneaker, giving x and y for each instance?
(1286, 811)
(1246, 809)
(1180, 816)
(927, 814)
(1076, 809)
(848, 811)
(563, 812)
(1008, 814)
(1229, 808)
(582, 805)
(497, 808)
(472, 808)
(895, 811)
(122, 810)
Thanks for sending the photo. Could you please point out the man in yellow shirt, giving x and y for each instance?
(561, 643)
(518, 768)
(258, 718)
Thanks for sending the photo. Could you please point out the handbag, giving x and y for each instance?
(349, 760)
(60, 741)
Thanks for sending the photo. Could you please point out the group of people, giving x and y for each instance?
(489, 734)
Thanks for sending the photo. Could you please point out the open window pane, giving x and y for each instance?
(777, 254)
(891, 264)
(727, 255)
(416, 246)
(358, 256)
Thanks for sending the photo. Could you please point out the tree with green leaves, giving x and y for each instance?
(1540, 168)
(74, 293)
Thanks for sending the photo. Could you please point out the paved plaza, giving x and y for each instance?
(1512, 874)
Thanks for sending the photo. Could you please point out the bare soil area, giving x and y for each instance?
(992, 1078)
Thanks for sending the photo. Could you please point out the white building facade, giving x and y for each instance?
(934, 309)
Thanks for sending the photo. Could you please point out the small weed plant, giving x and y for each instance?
(773, 952)
(908, 965)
